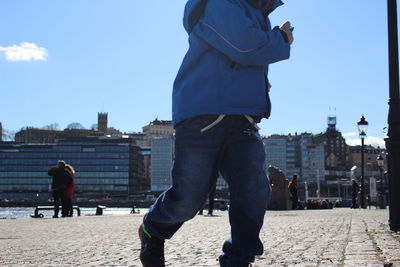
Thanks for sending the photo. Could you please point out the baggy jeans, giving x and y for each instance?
(234, 148)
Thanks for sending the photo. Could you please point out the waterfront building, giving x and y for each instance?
(162, 155)
(31, 135)
(292, 156)
(370, 155)
(140, 139)
(312, 166)
(275, 152)
(157, 129)
(299, 154)
(336, 152)
(162, 159)
(104, 166)
(146, 159)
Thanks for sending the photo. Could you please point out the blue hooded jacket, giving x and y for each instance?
(231, 44)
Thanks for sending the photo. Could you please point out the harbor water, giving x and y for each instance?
(26, 212)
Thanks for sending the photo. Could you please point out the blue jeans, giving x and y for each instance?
(234, 148)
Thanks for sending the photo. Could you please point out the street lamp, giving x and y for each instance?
(362, 125)
(380, 161)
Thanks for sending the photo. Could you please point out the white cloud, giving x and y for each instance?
(350, 134)
(25, 52)
(370, 140)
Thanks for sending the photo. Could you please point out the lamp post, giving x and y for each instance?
(362, 130)
(380, 161)
(393, 135)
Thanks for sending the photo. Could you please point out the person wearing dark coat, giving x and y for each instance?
(354, 194)
(61, 181)
(293, 192)
(211, 197)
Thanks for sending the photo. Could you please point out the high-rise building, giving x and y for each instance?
(292, 156)
(1, 132)
(336, 151)
(300, 154)
(102, 122)
(157, 129)
(162, 155)
(140, 139)
(276, 152)
(312, 167)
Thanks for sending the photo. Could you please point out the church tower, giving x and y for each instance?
(102, 121)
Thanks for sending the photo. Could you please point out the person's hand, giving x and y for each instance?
(269, 87)
(286, 28)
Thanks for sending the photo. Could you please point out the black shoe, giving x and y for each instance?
(152, 249)
(224, 262)
(55, 216)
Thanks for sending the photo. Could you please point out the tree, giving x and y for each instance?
(113, 131)
(53, 126)
(75, 125)
(8, 135)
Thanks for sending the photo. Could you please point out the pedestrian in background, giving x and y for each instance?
(61, 180)
(220, 94)
(293, 192)
(70, 190)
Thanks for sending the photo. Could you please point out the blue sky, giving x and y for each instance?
(64, 61)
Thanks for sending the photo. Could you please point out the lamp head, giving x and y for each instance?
(362, 125)
(380, 160)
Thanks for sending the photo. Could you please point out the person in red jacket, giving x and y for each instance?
(70, 190)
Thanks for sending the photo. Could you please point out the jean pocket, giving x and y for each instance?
(196, 123)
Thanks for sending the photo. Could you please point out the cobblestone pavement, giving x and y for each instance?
(338, 237)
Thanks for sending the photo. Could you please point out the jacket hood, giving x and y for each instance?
(194, 10)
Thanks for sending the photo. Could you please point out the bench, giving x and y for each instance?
(40, 215)
(100, 209)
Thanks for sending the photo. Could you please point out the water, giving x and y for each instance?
(15, 213)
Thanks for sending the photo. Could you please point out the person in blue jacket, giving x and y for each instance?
(220, 94)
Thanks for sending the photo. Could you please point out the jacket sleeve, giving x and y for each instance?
(227, 28)
(51, 172)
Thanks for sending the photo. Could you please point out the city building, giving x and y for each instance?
(299, 154)
(158, 128)
(31, 135)
(312, 166)
(49, 136)
(162, 159)
(146, 157)
(336, 152)
(162, 156)
(104, 166)
(276, 152)
(140, 139)
(370, 155)
(293, 163)
(1, 132)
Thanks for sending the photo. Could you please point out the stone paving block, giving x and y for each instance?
(338, 237)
